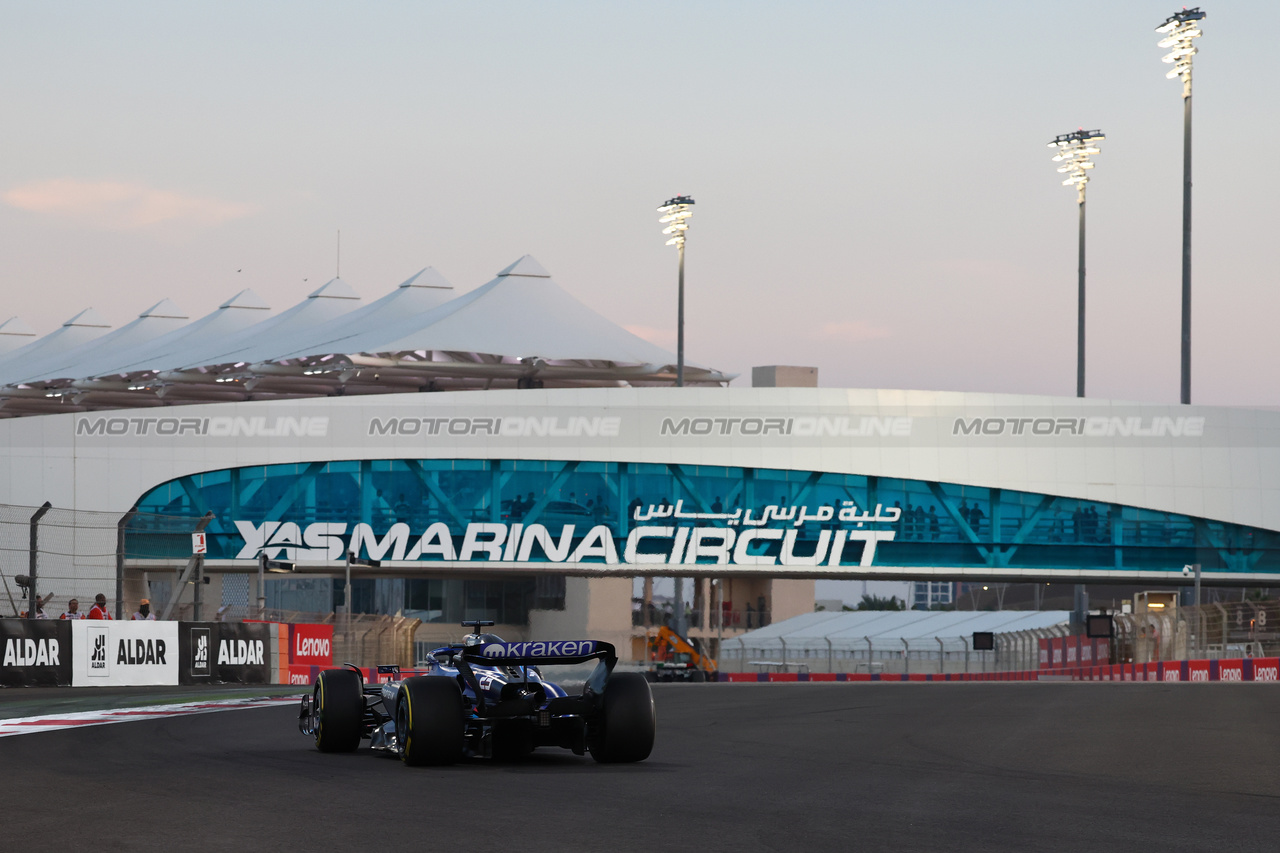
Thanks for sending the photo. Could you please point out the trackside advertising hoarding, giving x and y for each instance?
(36, 653)
(124, 653)
(196, 644)
(109, 653)
(243, 653)
(311, 645)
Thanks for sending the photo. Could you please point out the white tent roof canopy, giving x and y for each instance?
(13, 334)
(522, 313)
(83, 327)
(169, 351)
(886, 629)
(159, 319)
(520, 329)
(424, 290)
(330, 301)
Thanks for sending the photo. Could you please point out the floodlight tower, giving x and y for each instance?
(1074, 150)
(1178, 30)
(675, 215)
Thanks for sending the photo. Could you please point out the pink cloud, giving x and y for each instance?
(654, 335)
(115, 204)
(855, 330)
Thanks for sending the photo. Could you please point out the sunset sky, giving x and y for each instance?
(874, 192)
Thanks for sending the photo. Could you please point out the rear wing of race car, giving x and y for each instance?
(544, 652)
(540, 652)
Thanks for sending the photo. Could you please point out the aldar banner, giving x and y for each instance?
(36, 653)
(224, 653)
(124, 653)
(243, 653)
(196, 643)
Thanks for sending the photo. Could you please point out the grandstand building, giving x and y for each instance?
(508, 453)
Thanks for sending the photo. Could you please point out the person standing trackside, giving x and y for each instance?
(143, 613)
(40, 603)
(99, 608)
(73, 610)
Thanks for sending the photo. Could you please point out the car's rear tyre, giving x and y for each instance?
(429, 721)
(628, 723)
(698, 676)
(339, 710)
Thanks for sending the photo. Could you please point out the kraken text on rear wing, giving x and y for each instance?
(546, 652)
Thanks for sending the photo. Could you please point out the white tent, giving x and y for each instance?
(128, 379)
(521, 329)
(13, 334)
(159, 319)
(424, 290)
(519, 326)
(81, 328)
(883, 635)
(169, 351)
(521, 312)
(331, 301)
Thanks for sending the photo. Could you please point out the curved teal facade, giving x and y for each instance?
(479, 512)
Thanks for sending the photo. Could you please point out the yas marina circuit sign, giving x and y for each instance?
(825, 539)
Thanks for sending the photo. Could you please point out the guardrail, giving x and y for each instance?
(1229, 670)
(109, 653)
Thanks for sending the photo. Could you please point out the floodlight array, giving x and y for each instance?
(1178, 31)
(675, 215)
(1074, 151)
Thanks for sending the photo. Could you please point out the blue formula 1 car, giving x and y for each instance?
(486, 698)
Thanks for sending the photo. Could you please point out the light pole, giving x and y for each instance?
(675, 215)
(352, 560)
(265, 565)
(1194, 568)
(1179, 29)
(1074, 150)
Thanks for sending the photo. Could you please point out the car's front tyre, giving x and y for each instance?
(338, 703)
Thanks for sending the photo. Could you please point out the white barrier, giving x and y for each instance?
(113, 653)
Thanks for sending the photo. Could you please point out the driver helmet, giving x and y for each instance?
(480, 639)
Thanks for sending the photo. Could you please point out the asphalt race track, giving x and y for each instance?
(782, 767)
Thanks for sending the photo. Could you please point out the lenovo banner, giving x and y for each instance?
(311, 645)
(109, 653)
(37, 653)
(243, 653)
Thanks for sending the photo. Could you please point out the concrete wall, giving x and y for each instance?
(1208, 462)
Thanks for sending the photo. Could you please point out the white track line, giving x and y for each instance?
(80, 719)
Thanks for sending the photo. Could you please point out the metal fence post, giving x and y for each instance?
(120, 526)
(197, 594)
(1226, 623)
(33, 597)
(195, 565)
